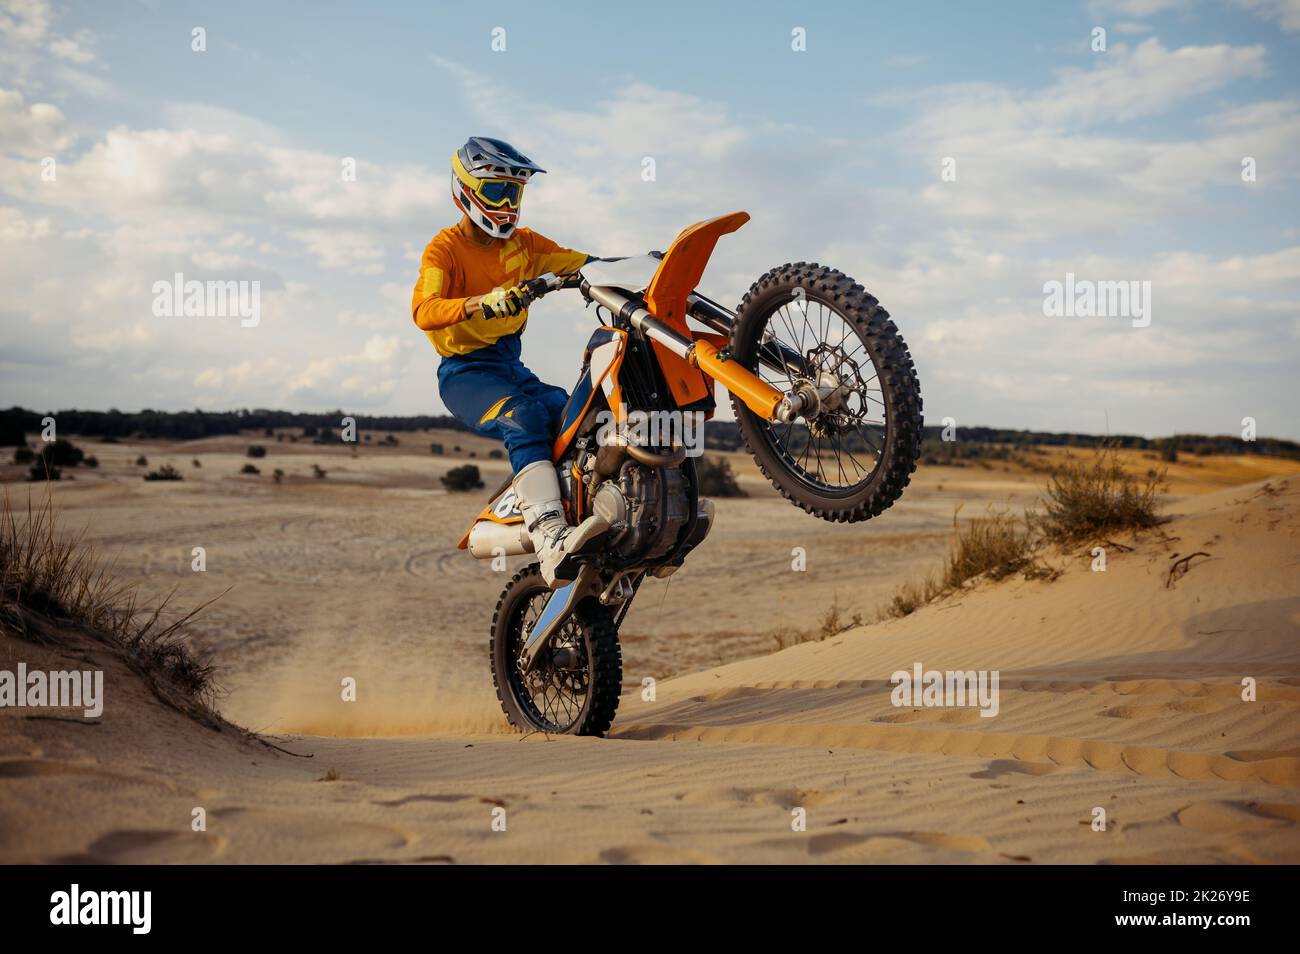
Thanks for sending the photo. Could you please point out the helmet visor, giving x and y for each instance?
(500, 193)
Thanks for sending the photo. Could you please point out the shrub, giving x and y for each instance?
(195, 463)
(717, 479)
(910, 597)
(249, 469)
(1089, 499)
(278, 475)
(463, 478)
(40, 471)
(496, 454)
(61, 453)
(24, 455)
(318, 471)
(51, 578)
(996, 545)
(833, 621)
(91, 461)
(256, 450)
(142, 461)
(436, 449)
(165, 472)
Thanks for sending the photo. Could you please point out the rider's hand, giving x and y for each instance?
(502, 302)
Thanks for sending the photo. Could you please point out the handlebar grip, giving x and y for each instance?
(529, 291)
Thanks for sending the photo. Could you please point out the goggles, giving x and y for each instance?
(499, 193)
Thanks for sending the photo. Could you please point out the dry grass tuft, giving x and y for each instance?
(1090, 498)
(994, 546)
(56, 590)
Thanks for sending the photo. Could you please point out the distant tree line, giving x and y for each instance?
(978, 442)
(996, 443)
(191, 425)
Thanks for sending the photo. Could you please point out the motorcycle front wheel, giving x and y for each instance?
(573, 688)
(853, 456)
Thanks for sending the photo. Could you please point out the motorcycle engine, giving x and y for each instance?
(646, 508)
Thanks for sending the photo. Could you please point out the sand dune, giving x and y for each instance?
(1119, 690)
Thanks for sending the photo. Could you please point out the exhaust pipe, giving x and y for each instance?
(490, 539)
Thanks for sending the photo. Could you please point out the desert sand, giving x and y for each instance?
(1120, 690)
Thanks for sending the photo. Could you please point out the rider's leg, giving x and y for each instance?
(538, 490)
(496, 404)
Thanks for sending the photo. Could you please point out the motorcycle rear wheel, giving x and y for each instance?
(574, 688)
(852, 460)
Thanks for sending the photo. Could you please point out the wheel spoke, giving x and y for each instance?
(825, 451)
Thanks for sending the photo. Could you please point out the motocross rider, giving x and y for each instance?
(468, 302)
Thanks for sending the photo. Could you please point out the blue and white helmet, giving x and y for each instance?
(487, 183)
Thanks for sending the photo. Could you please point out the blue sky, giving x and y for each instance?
(1114, 165)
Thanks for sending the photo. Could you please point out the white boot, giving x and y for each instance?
(537, 489)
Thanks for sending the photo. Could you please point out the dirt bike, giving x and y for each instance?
(825, 397)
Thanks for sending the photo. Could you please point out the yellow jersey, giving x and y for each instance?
(455, 267)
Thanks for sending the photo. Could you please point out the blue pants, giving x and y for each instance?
(491, 391)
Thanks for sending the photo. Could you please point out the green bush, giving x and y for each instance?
(716, 478)
(61, 453)
(463, 478)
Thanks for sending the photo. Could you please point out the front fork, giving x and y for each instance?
(559, 607)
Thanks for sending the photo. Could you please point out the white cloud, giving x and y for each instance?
(1136, 8)
(343, 250)
(369, 373)
(31, 131)
(1285, 12)
(25, 22)
(1131, 27)
(1030, 161)
(78, 48)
